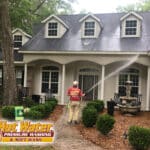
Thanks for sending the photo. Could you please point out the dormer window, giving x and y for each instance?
(131, 27)
(17, 41)
(89, 28)
(52, 29)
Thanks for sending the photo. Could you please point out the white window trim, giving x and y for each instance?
(83, 30)
(16, 48)
(58, 30)
(59, 79)
(140, 81)
(138, 28)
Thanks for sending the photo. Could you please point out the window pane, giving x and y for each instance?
(54, 88)
(122, 79)
(89, 28)
(89, 32)
(45, 87)
(52, 32)
(45, 76)
(89, 24)
(131, 23)
(122, 91)
(54, 77)
(130, 31)
(135, 80)
(52, 29)
(17, 37)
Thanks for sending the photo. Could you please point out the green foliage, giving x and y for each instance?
(24, 13)
(53, 102)
(89, 116)
(98, 104)
(28, 102)
(33, 115)
(139, 137)
(40, 108)
(105, 123)
(8, 112)
(142, 6)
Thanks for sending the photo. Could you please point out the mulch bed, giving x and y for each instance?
(114, 140)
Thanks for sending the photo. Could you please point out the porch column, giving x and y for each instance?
(63, 84)
(25, 75)
(148, 89)
(102, 82)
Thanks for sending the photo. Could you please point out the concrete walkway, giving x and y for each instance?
(68, 138)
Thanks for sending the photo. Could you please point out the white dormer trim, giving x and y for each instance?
(97, 29)
(57, 18)
(131, 13)
(20, 30)
(61, 26)
(90, 15)
(131, 16)
(24, 36)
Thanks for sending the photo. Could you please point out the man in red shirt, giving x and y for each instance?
(75, 97)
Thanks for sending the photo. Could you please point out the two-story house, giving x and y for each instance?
(101, 51)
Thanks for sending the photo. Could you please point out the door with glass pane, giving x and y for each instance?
(86, 82)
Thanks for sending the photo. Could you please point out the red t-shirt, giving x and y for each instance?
(74, 93)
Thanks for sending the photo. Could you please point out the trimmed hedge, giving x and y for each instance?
(139, 137)
(33, 115)
(89, 116)
(98, 104)
(35, 112)
(8, 112)
(28, 102)
(105, 123)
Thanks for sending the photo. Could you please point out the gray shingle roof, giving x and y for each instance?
(108, 40)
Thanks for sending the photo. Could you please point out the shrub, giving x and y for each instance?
(48, 109)
(28, 102)
(139, 137)
(40, 108)
(53, 102)
(33, 115)
(98, 104)
(105, 123)
(89, 116)
(8, 112)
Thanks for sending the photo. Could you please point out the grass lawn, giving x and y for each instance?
(38, 147)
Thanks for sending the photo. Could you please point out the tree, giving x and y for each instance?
(9, 80)
(24, 13)
(142, 6)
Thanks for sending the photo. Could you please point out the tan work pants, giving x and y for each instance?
(74, 110)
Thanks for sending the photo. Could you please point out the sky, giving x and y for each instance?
(101, 6)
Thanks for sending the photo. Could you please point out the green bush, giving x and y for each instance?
(105, 123)
(98, 104)
(89, 116)
(33, 115)
(139, 137)
(8, 112)
(40, 108)
(28, 102)
(53, 102)
(48, 109)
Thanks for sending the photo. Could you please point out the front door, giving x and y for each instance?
(86, 82)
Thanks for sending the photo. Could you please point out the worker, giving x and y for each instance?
(74, 104)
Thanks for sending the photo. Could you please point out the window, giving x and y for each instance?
(89, 28)
(17, 41)
(52, 29)
(129, 75)
(1, 80)
(50, 79)
(19, 77)
(131, 27)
